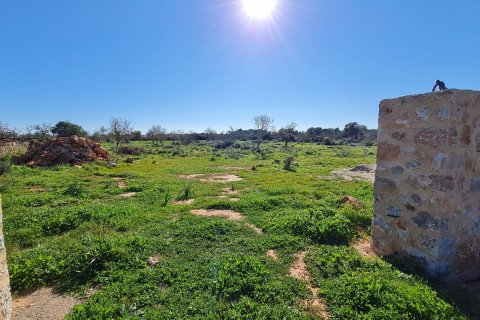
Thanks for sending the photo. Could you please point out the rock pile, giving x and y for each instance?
(65, 150)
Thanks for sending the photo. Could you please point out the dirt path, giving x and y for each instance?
(299, 270)
(364, 247)
(43, 304)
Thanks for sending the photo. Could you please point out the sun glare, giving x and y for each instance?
(259, 9)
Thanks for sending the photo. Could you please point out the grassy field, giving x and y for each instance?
(75, 229)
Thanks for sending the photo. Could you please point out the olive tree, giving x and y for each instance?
(263, 124)
(157, 134)
(287, 133)
(40, 132)
(120, 130)
(7, 133)
(68, 129)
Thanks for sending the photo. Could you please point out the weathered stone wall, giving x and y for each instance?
(427, 183)
(5, 297)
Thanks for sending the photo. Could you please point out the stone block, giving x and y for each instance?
(427, 186)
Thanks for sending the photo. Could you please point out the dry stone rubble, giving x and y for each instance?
(64, 150)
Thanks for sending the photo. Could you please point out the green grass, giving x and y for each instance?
(80, 233)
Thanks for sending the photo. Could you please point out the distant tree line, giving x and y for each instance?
(121, 131)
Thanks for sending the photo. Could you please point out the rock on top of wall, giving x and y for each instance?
(427, 188)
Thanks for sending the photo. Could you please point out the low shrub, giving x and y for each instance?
(322, 226)
(288, 163)
(75, 190)
(235, 276)
(371, 289)
(384, 295)
(72, 264)
(186, 193)
(4, 167)
(223, 144)
(131, 150)
(332, 261)
(64, 221)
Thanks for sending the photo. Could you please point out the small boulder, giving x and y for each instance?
(354, 202)
(361, 168)
(152, 261)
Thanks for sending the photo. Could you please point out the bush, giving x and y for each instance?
(72, 264)
(384, 295)
(186, 193)
(4, 167)
(236, 276)
(223, 144)
(131, 150)
(371, 289)
(322, 226)
(327, 262)
(288, 162)
(64, 221)
(343, 153)
(75, 190)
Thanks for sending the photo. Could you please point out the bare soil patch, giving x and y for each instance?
(229, 192)
(190, 176)
(227, 214)
(37, 189)
(299, 270)
(43, 304)
(233, 168)
(364, 247)
(183, 202)
(211, 178)
(128, 194)
(222, 178)
(272, 255)
(255, 228)
(120, 182)
(366, 173)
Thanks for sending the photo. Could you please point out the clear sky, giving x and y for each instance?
(194, 64)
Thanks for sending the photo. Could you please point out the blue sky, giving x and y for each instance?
(194, 64)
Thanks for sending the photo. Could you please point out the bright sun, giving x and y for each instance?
(259, 9)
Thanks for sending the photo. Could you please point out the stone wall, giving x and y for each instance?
(427, 183)
(5, 297)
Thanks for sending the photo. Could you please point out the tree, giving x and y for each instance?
(353, 130)
(40, 132)
(209, 133)
(136, 135)
(7, 133)
(68, 129)
(120, 130)
(157, 134)
(263, 123)
(100, 134)
(287, 133)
